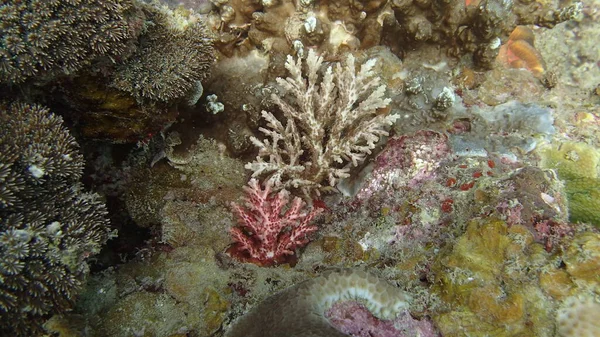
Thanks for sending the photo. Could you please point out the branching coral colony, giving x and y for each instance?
(338, 121)
(327, 125)
(265, 236)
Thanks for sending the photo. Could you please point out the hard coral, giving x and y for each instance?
(339, 120)
(471, 26)
(43, 38)
(173, 56)
(489, 278)
(284, 26)
(579, 316)
(300, 310)
(265, 236)
(577, 164)
(48, 225)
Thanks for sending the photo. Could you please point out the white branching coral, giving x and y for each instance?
(327, 124)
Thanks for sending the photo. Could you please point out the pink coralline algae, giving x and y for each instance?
(406, 161)
(550, 232)
(354, 319)
(264, 235)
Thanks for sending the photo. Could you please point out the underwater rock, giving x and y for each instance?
(106, 113)
(508, 129)
(193, 193)
(147, 314)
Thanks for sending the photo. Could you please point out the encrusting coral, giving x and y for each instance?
(327, 124)
(48, 224)
(43, 38)
(579, 317)
(300, 310)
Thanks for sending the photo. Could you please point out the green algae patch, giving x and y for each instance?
(578, 165)
(571, 159)
(215, 310)
(583, 194)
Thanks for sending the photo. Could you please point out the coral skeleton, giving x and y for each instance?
(327, 125)
(266, 236)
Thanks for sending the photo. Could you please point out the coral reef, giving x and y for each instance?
(473, 26)
(137, 96)
(348, 104)
(287, 26)
(339, 26)
(465, 156)
(49, 226)
(41, 39)
(500, 282)
(486, 279)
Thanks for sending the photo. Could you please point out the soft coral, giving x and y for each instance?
(264, 235)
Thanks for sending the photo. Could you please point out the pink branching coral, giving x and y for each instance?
(264, 235)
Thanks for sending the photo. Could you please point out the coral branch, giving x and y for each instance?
(328, 124)
(264, 235)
